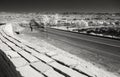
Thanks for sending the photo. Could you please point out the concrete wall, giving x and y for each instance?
(7, 68)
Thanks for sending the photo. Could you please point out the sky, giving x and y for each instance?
(60, 5)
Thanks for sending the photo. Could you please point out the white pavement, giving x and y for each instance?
(31, 60)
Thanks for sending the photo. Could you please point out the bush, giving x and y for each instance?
(34, 24)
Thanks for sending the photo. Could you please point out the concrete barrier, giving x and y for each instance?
(7, 68)
(9, 29)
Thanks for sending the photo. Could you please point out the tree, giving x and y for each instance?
(33, 24)
(81, 23)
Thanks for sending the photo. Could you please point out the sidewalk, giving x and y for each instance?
(31, 60)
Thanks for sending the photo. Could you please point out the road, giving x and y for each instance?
(102, 46)
(102, 52)
(99, 45)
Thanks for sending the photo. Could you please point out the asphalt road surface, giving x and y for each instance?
(103, 46)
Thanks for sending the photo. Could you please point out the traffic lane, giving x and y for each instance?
(101, 49)
(102, 40)
(91, 46)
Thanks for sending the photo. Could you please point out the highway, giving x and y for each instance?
(103, 46)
